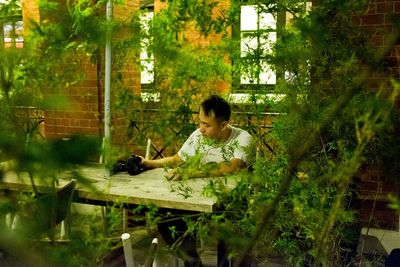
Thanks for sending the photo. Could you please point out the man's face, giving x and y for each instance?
(210, 127)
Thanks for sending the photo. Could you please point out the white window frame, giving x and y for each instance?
(12, 31)
(243, 92)
(146, 56)
(258, 33)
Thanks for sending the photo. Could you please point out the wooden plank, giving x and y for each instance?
(21, 182)
(150, 187)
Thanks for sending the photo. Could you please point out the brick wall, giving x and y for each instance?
(127, 76)
(83, 113)
(30, 11)
(377, 22)
(373, 182)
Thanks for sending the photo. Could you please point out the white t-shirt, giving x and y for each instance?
(235, 147)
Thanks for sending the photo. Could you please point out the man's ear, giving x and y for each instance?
(224, 124)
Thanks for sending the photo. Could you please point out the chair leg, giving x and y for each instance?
(14, 221)
(63, 233)
(9, 220)
(151, 259)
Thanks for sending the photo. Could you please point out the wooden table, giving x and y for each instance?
(149, 187)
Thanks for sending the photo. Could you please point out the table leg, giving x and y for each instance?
(104, 215)
(124, 219)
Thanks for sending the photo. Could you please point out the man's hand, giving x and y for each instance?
(173, 175)
(142, 161)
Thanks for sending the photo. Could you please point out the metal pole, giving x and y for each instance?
(107, 82)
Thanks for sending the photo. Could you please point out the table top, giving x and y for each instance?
(149, 187)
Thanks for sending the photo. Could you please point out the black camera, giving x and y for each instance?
(130, 165)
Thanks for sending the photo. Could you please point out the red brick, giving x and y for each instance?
(91, 116)
(396, 7)
(385, 7)
(84, 123)
(94, 124)
(59, 129)
(88, 83)
(377, 40)
(73, 91)
(390, 18)
(356, 21)
(92, 131)
(383, 30)
(388, 41)
(74, 130)
(373, 19)
(65, 122)
(74, 122)
(370, 9)
(92, 107)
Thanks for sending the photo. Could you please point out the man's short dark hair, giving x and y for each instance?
(219, 106)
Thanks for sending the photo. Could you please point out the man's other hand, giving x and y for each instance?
(173, 175)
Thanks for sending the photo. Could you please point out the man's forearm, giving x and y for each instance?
(219, 170)
(158, 163)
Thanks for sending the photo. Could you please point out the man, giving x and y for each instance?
(219, 148)
(215, 141)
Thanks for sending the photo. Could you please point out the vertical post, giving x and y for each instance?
(151, 260)
(147, 156)
(127, 244)
(124, 219)
(154, 247)
(63, 232)
(107, 76)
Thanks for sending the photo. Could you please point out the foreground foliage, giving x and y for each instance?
(296, 199)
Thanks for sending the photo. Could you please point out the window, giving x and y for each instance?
(146, 56)
(258, 33)
(11, 28)
(257, 36)
(13, 34)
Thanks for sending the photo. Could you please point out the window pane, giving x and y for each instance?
(147, 71)
(7, 32)
(267, 21)
(146, 56)
(10, 36)
(308, 6)
(290, 76)
(18, 30)
(248, 45)
(247, 79)
(250, 71)
(267, 41)
(248, 18)
(264, 74)
(145, 19)
(256, 45)
(267, 75)
(144, 52)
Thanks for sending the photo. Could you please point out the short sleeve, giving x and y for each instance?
(242, 151)
(188, 148)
